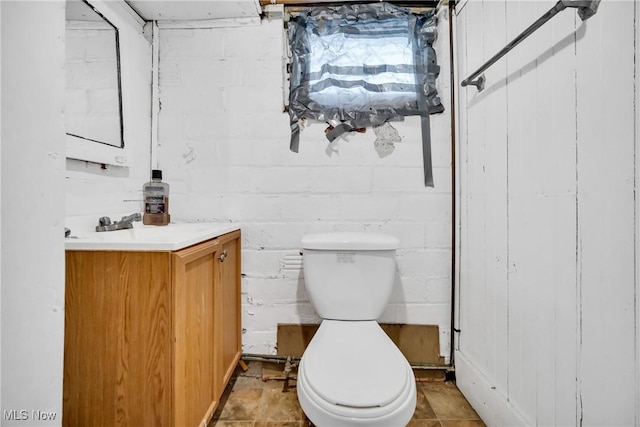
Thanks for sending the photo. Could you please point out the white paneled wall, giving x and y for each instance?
(547, 289)
(224, 148)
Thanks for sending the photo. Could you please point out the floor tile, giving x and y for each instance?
(424, 423)
(462, 423)
(448, 402)
(241, 405)
(249, 401)
(248, 382)
(423, 408)
(279, 424)
(223, 423)
(279, 404)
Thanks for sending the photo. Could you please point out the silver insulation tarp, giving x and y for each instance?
(360, 65)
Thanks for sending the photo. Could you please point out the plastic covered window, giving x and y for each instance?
(360, 65)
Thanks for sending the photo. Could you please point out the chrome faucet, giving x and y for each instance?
(105, 224)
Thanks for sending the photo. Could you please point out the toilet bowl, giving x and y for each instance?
(351, 373)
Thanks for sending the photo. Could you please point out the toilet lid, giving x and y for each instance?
(354, 363)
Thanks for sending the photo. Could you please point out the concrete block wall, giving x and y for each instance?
(223, 146)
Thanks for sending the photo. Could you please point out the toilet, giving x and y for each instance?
(351, 373)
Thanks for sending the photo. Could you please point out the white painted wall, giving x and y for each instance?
(547, 288)
(637, 247)
(0, 208)
(36, 197)
(32, 165)
(224, 148)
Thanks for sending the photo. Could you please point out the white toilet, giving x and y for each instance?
(351, 373)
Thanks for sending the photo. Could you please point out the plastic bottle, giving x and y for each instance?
(156, 200)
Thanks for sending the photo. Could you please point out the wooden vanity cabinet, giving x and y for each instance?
(151, 338)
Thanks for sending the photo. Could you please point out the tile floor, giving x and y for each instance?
(250, 401)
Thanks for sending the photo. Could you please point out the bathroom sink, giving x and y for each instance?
(148, 237)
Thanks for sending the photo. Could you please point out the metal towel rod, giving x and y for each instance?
(586, 9)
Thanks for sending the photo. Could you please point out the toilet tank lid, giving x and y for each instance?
(350, 241)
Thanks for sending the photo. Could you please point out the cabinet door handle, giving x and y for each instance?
(223, 255)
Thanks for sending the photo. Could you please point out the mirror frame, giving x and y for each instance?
(128, 24)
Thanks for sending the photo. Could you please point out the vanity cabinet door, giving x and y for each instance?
(227, 325)
(117, 341)
(195, 272)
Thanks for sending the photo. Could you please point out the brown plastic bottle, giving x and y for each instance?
(156, 200)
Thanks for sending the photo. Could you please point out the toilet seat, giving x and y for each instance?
(355, 364)
(323, 413)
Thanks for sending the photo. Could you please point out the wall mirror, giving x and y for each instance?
(93, 96)
(108, 72)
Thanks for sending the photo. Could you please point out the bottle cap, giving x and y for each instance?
(156, 174)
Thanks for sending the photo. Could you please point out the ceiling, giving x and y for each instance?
(76, 10)
(189, 10)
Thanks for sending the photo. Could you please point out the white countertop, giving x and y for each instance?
(169, 237)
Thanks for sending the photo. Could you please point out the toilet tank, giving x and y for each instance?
(349, 275)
